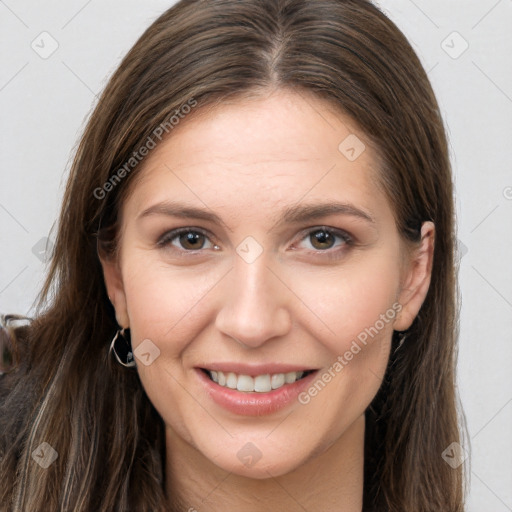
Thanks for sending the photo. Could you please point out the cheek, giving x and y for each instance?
(347, 304)
(356, 302)
(170, 308)
(354, 309)
(165, 303)
(352, 314)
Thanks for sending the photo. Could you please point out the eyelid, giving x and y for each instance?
(341, 233)
(332, 254)
(168, 236)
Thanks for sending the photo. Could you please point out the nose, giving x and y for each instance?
(255, 304)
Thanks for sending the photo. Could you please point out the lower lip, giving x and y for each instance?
(254, 403)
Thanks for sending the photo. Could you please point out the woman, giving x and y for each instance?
(251, 303)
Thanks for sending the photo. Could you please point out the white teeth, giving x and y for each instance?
(245, 383)
(290, 377)
(231, 381)
(260, 383)
(277, 380)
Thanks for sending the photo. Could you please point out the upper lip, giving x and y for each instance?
(253, 370)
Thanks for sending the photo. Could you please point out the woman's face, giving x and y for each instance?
(257, 245)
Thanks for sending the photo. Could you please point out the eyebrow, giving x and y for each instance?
(291, 215)
(303, 213)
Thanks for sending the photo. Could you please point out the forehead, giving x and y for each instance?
(282, 125)
(260, 153)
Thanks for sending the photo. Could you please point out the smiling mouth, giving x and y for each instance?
(259, 383)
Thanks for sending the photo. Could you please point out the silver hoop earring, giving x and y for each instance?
(122, 349)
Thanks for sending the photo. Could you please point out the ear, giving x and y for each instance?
(416, 280)
(115, 288)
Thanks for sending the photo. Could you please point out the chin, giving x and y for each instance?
(267, 467)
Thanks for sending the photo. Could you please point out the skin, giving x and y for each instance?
(299, 302)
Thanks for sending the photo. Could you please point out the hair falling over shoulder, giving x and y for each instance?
(59, 387)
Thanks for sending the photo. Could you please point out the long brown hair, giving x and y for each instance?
(66, 392)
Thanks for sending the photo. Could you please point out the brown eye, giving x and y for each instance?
(322, 239)
(330, 242)
(192, 240)
(186, 239)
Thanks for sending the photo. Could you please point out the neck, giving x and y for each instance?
(330, 481)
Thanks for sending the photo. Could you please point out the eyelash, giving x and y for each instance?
(330, 253)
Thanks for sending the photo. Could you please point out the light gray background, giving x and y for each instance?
(45, 101)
